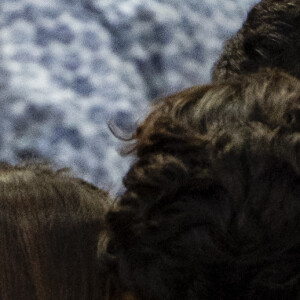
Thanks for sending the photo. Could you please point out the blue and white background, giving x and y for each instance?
(67, 67)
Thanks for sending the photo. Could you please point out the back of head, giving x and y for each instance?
(49, 226)
(270, 37)
(211, 208)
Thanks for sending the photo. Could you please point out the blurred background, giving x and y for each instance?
(67, 67)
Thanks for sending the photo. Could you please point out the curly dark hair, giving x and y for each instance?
(50, 224)
(211, 208)
(270, 37)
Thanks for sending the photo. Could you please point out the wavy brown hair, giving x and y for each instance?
(49, 228)
(211, 208)
(270, 37)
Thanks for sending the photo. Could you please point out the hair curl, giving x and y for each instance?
(211, 208)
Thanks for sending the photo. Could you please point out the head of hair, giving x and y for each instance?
(270, 37)
(50, 223)
(211, 208)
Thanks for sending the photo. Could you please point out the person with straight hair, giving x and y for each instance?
(50, 224)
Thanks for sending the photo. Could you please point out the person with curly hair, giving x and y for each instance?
(270, 37)
(211, 208)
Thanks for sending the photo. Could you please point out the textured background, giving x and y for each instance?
(67, 67)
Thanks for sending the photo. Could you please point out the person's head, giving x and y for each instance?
(270, 37)
(211, 208)
(49, 228)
